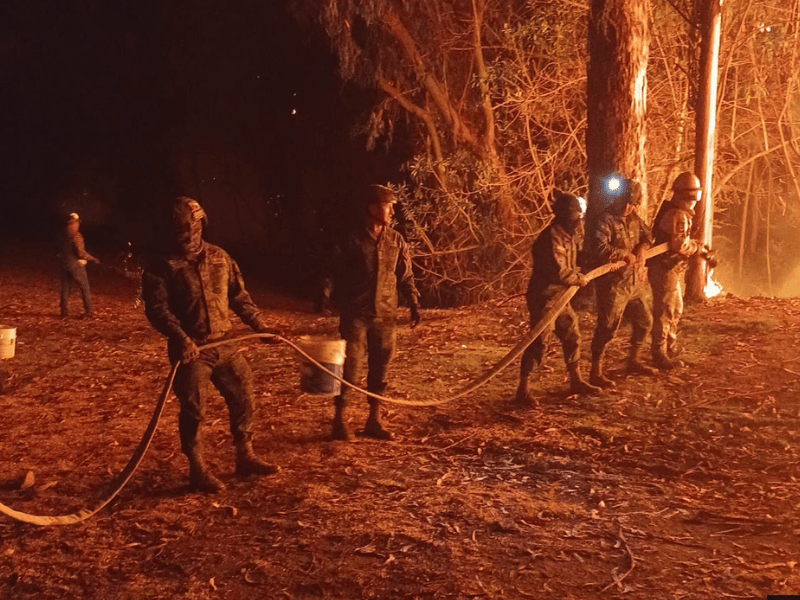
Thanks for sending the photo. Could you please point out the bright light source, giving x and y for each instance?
(613, 184)
(712, 288)
(294, 111)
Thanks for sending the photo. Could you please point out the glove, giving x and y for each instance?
(189, 350)
(415, 316)
(711, 258)
(583, 280)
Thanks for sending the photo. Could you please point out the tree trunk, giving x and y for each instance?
(711, 27)
(768, 240)
(619, 39)
(745, 216)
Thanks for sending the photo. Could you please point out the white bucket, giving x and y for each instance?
(330, 354)
(8, 339)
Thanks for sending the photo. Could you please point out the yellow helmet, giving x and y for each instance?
(686, 182)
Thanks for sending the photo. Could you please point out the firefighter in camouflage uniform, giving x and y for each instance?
(673, 225)
(187, 295)
(366, 272)
(622, 235)
(555, 269)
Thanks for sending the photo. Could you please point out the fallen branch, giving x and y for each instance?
(618, 580)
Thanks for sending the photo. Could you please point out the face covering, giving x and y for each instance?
(189, 229)
(190, 238)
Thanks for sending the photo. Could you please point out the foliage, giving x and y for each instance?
(494, 95)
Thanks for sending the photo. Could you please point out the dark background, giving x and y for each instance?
(112, 108)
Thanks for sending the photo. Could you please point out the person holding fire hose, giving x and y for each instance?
(555, 269)
(364, 276)
(187, 293)
(72, 261)
(673, 225)
(622, 235)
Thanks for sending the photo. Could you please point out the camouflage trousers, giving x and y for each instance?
(565, 326)
(228, 371)
(667, 287)
(371, 342)
(616, 299)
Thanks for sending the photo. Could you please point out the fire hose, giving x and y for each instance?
(127, 472)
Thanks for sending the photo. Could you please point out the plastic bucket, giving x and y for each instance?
(8, 340)
(330, 354)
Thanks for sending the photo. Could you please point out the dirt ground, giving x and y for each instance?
(679, 486)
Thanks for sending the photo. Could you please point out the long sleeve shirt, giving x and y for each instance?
(192, 297)
(72, 248)
(615, 237)
(674, 227)
(555, 259)
(366, 274)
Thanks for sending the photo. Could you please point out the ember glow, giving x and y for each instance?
(712, 288)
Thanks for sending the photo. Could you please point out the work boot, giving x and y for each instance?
(674, 351)
(247, 463)
(200, 479)
(373, 427)
(577, 385)
(596, 376)
(636, 366)
(662, 362)
(523, 399)
(339, 430)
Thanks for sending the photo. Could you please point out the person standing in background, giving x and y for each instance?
(72, 266)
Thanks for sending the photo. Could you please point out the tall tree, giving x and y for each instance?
(705, 141)
(619, 40)
(493, 96)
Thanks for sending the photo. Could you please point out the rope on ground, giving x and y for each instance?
(135, 460)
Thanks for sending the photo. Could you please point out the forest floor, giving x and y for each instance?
(684, 485)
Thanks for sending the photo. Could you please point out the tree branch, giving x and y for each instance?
(428, 81)
(426, 117)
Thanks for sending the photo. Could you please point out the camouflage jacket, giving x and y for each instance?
(674, 226)
(72, 249)
(365, 274)
(615, 237)
(192, 298)
(555, 260)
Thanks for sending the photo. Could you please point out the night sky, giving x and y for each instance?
(111, 108)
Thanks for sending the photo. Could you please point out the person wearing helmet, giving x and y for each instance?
(187, 294)
(622, 236)
(555, 269)
(367, 271)
(673, 225)
(72, 262)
